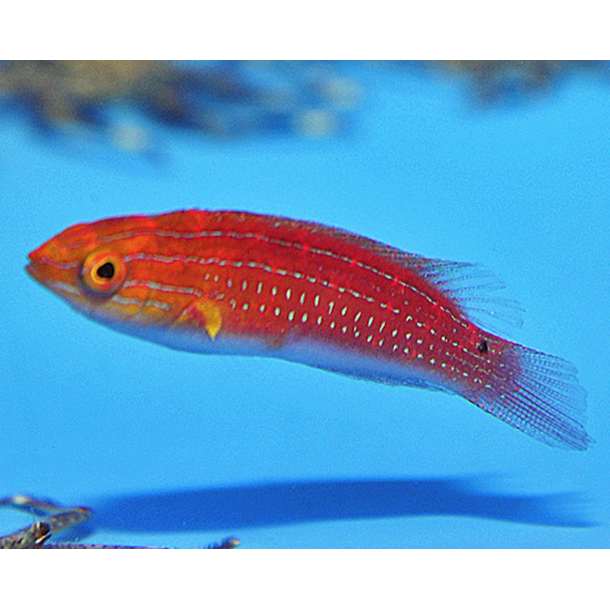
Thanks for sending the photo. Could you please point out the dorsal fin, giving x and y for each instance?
(471, 286)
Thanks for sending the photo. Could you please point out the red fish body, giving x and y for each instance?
(241, 283)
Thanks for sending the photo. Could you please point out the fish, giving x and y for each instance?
(241, 283)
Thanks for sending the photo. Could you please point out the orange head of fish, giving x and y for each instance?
(89, 266)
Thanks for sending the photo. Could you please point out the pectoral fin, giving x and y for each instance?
(203, 313)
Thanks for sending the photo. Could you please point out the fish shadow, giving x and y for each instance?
(282, 503)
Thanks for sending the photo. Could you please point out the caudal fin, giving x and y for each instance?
(540, 395)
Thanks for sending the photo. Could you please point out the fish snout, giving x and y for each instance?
(36, 264)
(47, 271)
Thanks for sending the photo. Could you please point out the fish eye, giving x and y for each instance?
(103, 272)
(106, 270)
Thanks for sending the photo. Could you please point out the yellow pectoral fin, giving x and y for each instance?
(203, 313)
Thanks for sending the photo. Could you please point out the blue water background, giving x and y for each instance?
(174, 449)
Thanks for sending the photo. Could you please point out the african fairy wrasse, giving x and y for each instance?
(250, 284)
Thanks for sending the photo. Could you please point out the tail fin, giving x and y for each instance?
(540, 395)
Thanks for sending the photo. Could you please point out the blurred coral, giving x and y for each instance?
(234, 98)
(494, 81)
(229, 99)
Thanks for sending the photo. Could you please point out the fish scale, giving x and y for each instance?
(239, 283)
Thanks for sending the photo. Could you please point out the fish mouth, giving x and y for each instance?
(53, 279)
(34, 270)
(38, 267)
(57, 270)
(47, 272)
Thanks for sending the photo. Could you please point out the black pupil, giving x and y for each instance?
(106, 271)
